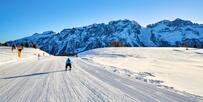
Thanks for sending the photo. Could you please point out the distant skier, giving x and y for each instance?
(20, 48)
(68, 64)
(38, 55)
(77, 53)
(13, 47)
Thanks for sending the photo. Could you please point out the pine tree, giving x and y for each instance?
(195, 46)
(4, 44)
(186, 45)
(34, 46)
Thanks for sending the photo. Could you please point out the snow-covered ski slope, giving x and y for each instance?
(176, 68)
(7, 56)
(45, 80)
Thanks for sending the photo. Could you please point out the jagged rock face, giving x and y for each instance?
(175, 33)
(164, 33)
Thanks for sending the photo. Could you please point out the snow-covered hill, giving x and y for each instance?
(129, 33)
(172, 67)
(7, 56)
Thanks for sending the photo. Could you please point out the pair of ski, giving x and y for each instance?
(68, 70)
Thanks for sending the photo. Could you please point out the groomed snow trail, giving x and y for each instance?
(45, 80)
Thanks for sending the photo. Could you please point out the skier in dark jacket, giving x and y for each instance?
(68, 64)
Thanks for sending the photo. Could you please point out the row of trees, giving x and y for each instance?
(3, 44)
(193, 45)
(27, 45)
(116, 43)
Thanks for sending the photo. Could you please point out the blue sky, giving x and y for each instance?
(20, 18)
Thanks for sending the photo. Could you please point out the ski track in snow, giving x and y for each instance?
(45, 80)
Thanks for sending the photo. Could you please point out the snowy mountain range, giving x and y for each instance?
(162, 34)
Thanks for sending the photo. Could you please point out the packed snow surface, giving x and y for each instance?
(176, 68)
(45, 80)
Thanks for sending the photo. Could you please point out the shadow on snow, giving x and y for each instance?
(34, 74)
